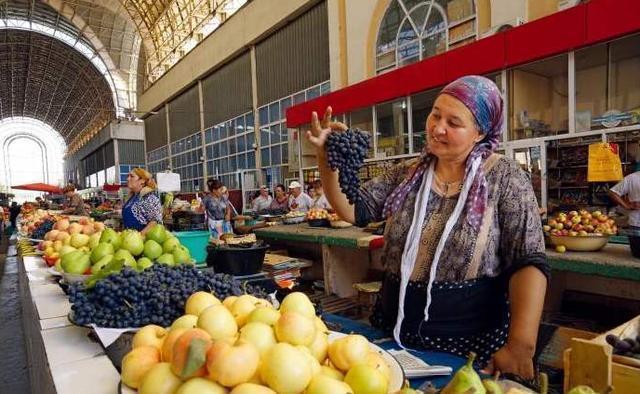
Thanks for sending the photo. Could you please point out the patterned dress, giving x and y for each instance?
(142, 208)
(469, 309)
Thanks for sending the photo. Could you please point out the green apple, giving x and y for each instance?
(144, 263)
(152, 249)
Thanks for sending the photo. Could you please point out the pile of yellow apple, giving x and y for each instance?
(317, 213)
(581, 223)
(83, 234)
(244, 345)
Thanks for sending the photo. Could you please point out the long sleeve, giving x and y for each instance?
(521, 236)
(374, 193)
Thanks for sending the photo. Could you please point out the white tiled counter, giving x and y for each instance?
(62, 358)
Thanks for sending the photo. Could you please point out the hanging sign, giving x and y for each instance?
(168, 182)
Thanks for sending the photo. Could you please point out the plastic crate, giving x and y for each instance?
(196, 242)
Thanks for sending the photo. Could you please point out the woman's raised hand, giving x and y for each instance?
(320, 129)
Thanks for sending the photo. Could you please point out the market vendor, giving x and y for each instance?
(143, 209)
(299, 200)
(627, 195)
(464, 248)
(217, 209)
(75, 204)
(263, 200)
(281, 199)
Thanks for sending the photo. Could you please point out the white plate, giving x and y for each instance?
(395, 383)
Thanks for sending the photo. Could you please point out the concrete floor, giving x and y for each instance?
(14, 375)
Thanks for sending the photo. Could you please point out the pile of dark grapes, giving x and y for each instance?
(346, 152)
(155, 296)
(42, 229)
(626, 347)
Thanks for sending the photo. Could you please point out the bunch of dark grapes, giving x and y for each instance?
(42, 229)
(156, 295)
(346, 152)
(629, 347)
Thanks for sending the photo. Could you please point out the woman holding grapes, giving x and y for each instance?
(464, 249)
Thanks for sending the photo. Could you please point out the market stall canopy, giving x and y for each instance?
(39, 187)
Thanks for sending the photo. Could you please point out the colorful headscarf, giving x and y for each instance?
(482, 97)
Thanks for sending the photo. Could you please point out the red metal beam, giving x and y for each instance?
(574, 28)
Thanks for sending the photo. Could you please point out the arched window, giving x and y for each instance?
(412, 30)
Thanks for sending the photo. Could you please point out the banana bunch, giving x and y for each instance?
(25, 248)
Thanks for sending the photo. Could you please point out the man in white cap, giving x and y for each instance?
(263, 201)
(299, 200)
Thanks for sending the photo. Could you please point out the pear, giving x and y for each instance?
(582, 390)
(492, 385)
(465, 380)
(544, 383)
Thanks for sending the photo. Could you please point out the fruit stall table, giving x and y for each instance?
(64, 359)
(612, 272)
(347, 253)
(61, 356)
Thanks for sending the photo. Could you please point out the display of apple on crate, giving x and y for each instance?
(581, 223)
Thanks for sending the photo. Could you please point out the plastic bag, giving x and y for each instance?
(604, 163)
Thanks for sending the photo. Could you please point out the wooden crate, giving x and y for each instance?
(591, 362)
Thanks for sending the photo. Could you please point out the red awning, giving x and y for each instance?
(39, 187)
(111, 187)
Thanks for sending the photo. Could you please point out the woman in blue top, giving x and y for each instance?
(218, 209)
(143, 208)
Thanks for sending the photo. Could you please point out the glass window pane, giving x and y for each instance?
(231, 128)
(233, 165)
(409, 53)
(240, 125)
(313, 93)
(248, 122)
(242, 161)
(264, 157)
(240, 142)
(406, 34)
(264, 136)
(284, 132)
(298, 98)
(264, 115)
(325, 88)
(363, 120)
(538, 94)
(232, 146)
(274, 112)
(224, 149)
(249, 140)
(284, 104)
(223, 131)
(607, 87)
(276, 156)
(275, 133)
(421, 104)
(251, 159)
(210, 152)
(393, 128)
(434, 45)
(216, 151)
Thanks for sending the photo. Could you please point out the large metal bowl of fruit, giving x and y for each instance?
(580, 243)
(580, 231)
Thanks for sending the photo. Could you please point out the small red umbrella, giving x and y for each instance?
(39, 187)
